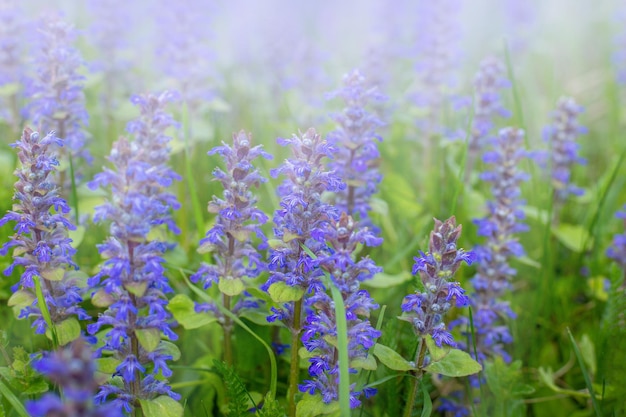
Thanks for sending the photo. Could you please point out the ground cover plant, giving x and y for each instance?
(274, 208)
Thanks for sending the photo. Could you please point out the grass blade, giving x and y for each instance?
(594, 401)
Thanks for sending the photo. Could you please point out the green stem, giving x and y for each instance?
(421, 354)
(228, 345)
(294, 370)
(342, 347)
(191, 182)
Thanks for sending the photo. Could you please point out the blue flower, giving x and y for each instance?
(425, 310)
(133, 274)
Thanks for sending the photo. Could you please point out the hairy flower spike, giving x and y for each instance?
(73, 369)
(302, 217)
(489, 81)
(425, 310)
(504, 221)
(41, 244)
(237, 217)
(357, 152)
(342, 236)
(562, 135)
(58, 101)
(133, 277)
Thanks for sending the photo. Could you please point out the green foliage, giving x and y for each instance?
(506, 389)
(162, 406)
(20, 375)
(313, 405)
(236, 392)
(449, 361)
(392, 359)
(183, 310)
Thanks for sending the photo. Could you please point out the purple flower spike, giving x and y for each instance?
(41, 245)
(133, 277)
(425, 310)
(237, 217)
(303, 217)
(357, 150)
(73, 369)
(342, 236)
(13, 30)
(562, 135)
(58, 101)
(504, 221)
(617, 251)
(489, 81)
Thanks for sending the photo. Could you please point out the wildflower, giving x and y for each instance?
(342, 236)
(357, 152)
(41, 244)
(12, 32)
(58, 101)
(617, 251)
(488, 82)
(72, 368)
(562, 135)
(133, 276)
(303, 216)
(425, 309)
(500, 226)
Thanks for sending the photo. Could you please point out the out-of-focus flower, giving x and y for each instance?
(57, 98)
(562, 135)
(357, 154)
(73, 370)
(13, 28)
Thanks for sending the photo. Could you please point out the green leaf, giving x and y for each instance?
(392, 359)
(162, 406)
(9, 89)
(102, 299)
(148, 338)
(368, 363)
(170, 348)
(571, 236)
(21, 299)
(183, 310)
(77, 235)
(283, 293)
(13, 400)
(53, 274)
(588, 351)
(455, 364)
(136, 288)
(231, 287)
(313, 405)
(107, 365)
(382, 280)
(67, 331)
(427, 408)
(36, 387)
(436, 353)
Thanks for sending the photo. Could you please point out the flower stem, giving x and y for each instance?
(295, 360)
(418, 374)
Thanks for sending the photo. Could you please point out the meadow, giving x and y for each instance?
(273, 208)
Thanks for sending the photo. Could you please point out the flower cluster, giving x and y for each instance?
(488, 82)
(617, 251)
(134, 284)
(12, 33)
(425, 310)
(41, 244)
(562, 135)
(357, 152)
(342, 236)
(438, 52)
(109, 33)
(303, 216)
(73, 369)
(503, 222)
(58, 101)
(184, 53)
(237, 218)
